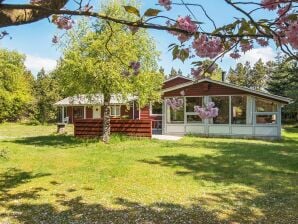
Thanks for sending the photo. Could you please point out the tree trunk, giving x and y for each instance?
(106, 128)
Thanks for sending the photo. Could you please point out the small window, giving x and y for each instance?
(238, 104)
(263, 105)
(156, 108)
(266, 119)
(116, 111)
(191, 102)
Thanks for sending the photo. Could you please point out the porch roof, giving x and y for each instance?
(95, 99)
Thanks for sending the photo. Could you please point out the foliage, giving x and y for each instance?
(193, 180)
(96, 61)
(250, 77)
(283, 81)
(47, 92)
(241, 34)
(15, 86)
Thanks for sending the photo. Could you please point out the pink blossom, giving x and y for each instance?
(262, 42)
(166, 3)
(175, 103)
(208, 47)
(246, 46)
(292, 34)
(207, 112)
(235, 55)
(270, 4)
(63, 22)
(185, 23)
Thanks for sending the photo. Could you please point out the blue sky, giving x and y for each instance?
(34, 40)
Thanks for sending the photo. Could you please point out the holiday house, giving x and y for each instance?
(238, 111)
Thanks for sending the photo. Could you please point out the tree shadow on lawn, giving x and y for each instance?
(61, 141)
(76, 210)
(267, 172)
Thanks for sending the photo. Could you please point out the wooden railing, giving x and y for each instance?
(90, 128)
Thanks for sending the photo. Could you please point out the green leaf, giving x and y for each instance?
(132, 10)
(152, 12)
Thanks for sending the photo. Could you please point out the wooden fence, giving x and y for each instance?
(90, 128)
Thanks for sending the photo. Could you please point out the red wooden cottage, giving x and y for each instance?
(243, 112)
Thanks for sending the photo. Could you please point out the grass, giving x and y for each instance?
(48, 178)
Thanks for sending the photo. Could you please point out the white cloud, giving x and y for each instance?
(252, 56)
(35, 63)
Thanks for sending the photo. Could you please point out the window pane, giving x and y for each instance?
(265, 105)
(238, 109)
(175, 116)
(266, 119)
(115, 111)
(193, 101)
(193, 119)
(156, 108)
(222, 102)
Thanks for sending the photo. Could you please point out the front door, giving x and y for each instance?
(96, 112)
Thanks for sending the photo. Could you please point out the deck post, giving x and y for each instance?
(62, 117)
(84, 112)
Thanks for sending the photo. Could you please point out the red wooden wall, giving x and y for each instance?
(90, 128)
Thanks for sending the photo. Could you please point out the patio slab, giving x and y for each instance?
(167, 137)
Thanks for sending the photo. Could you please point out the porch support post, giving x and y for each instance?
(279, 120)
(84, 112)
(133, 109)
(62, 117)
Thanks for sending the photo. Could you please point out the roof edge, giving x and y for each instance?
(269, 95)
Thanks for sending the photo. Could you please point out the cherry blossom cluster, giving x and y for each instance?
(208, 111)
(286, 24)
(175, 103)
(208, 47)
(167, 4)
(184, 23)
(63, 22)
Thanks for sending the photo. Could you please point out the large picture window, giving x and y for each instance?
(222, 103)
(266, 111)
(238, 109)
(191, 102)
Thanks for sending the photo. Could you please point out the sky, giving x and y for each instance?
(35, 40)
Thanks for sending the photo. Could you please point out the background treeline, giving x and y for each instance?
(24, 96)
(31, 98)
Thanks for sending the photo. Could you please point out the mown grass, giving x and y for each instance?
(47, 178)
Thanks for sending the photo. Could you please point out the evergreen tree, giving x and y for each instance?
(258, 76)
(173, 73)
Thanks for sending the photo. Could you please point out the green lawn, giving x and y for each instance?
(45, 178)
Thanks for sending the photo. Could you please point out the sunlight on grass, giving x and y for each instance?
(48, 178)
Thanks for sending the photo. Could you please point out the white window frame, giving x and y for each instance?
(152, 114)
(113, 111)
(265, 113)
(191, 113)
